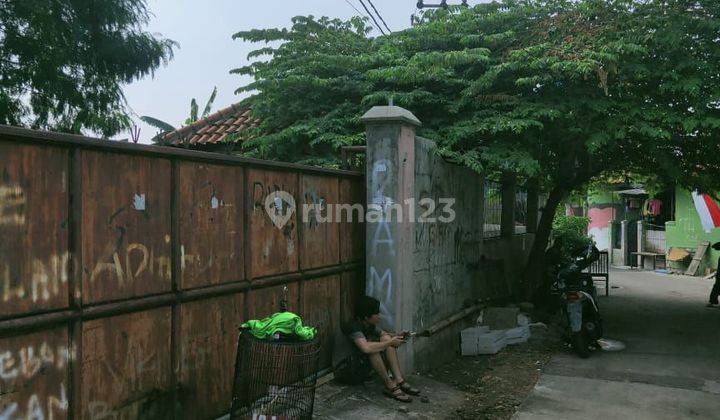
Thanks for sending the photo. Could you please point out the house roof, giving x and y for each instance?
(633, 191)
(215, 127)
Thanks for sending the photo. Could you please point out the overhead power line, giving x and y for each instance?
(379, 15)
(372, 17)
(363, 14)
(353, 6)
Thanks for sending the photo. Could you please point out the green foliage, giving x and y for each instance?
(164, 127)
(570, 235)
(63, 62)
(159, 124)
(561, 90)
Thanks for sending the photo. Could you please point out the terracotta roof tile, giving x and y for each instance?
(215, 127)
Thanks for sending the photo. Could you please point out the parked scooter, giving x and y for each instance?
(578, 302)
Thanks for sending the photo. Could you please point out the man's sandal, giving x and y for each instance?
(408, 389)
(397, 393)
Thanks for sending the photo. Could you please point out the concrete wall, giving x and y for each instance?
(446, 255)
(496, 279)
(686, 231)
(603, 209)
(425, 272)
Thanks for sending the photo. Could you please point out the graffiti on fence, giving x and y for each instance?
(24, 365)
(45, 281)
(136, 260)
(12, 202)
(35, 409)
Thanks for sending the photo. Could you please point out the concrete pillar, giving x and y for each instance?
(533, 191)
(611, 252)
(640, 243)
(390, 163)
(624, 243)
(507, 218)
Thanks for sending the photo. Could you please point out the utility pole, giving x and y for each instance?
(443, 4)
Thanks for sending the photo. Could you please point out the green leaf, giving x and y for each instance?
(193, 112)
(159, 124)
(209, 104)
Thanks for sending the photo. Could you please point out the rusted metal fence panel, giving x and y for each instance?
(273, 249)
(126, 366)
(33, 229)
(211, 224)
(320, 236)
(350, 217)
(125, 226)
(34, 375)
(350, 288)
(321, 307)
(264, 302)
(125, 271)
(208, 333)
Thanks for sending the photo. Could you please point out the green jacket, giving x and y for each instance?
(282, 322)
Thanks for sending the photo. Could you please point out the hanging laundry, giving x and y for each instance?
(652, 207)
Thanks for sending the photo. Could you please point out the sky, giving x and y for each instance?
(207, 52)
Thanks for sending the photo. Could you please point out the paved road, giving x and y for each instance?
(670, 369)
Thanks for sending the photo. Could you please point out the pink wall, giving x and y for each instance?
(599, 228)
(600, 217)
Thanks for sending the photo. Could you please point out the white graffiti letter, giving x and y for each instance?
(388, 239)
(7, 369)
(380, 287)
(34, 409)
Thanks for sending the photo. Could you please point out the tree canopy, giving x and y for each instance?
(553, 88)
(63, 62)
(563, 91)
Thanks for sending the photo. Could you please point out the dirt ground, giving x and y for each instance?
(480, 387)
(496, 385)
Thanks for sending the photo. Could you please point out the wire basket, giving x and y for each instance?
(274, 379)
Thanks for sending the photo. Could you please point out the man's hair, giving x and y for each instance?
(366, 307)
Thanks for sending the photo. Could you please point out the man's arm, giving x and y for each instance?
(369, 347)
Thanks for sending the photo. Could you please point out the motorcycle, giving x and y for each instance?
(578, 301)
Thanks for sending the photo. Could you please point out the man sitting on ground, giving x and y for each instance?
(378, 348)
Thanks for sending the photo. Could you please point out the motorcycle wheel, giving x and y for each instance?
(581, 344)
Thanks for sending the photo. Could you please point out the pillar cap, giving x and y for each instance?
(382, 114)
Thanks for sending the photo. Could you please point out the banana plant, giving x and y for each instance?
(164, 127)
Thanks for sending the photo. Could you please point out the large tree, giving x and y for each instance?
(63, 62)
(561, 91)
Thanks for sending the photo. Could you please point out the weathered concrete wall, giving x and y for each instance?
(433, 263)
(496, 278)
(446, 253)
(603, 209)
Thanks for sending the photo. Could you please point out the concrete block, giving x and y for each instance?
(526, 307)
(473, 333)
(500, 318)
(480, 341)
(517, 335)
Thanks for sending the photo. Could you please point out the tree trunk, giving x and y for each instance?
(535, 267)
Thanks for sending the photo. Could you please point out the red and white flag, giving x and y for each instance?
(708, 210)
